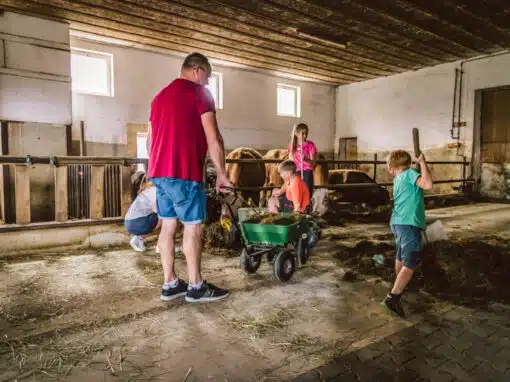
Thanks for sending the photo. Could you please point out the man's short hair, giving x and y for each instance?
(196, 60)
(287, 165)
(399, 159)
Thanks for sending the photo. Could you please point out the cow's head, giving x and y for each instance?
(320, 201)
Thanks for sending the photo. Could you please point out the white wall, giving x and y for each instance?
(35, 83)
(382, 112)
(247, 119)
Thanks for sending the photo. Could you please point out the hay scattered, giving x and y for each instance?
(257, 327)
(51, 359)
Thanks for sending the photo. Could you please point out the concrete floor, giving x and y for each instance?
(95, 316)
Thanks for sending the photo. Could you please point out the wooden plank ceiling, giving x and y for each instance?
(299, 37)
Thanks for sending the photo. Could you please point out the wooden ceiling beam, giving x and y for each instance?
(360, 44)
(356, 11)
(263, 29)
(425, 18)
(222, 52)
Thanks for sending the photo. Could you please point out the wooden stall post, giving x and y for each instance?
(22, 193)
(97, 192)
(125, 188)
(61, 197)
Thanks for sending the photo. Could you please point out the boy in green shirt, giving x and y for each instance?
(407, 220)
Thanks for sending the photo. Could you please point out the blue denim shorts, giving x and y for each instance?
(408, 242)
(180, 199)
(143, 225)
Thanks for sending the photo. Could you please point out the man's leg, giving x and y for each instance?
(172, 286)
(166, 244)
(192, 246)
(191, 210)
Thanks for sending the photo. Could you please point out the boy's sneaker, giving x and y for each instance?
(394, 306)
(137, 243)
(172, 293)
(177, 249)
(206, 293)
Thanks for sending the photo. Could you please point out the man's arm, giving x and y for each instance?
(216, 148)
(425, 180)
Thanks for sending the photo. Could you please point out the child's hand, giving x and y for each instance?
(421, 160)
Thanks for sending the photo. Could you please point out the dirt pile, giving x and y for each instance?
(469, 272)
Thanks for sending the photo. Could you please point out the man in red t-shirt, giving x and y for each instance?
(182, 128)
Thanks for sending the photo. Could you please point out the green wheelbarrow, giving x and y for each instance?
(285, 246)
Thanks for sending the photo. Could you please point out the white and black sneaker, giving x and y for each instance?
(206, 293)
(168, 294)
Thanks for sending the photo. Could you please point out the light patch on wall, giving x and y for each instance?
(215, 86)
(141, 149)
(288, 100)
(92, 72)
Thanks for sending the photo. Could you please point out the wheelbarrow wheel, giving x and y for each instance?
(250, 264)
(284, 265)
(303, 252)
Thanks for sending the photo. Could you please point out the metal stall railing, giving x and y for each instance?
(100, 187)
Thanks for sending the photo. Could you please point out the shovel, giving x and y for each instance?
(434, 232)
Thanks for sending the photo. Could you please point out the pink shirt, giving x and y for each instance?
(309, 151)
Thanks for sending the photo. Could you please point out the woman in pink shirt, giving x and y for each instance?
(303, 153)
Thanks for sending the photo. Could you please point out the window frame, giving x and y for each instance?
(108, 58)
(219, 90)
(297, 100)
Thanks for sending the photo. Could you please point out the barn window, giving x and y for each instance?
(216, 88)
(92, 72)
(288, 100)
(141, 149)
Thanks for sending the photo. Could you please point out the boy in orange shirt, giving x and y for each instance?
(294, 195)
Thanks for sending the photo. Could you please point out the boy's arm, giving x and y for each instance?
(425, 180)
(295, 196)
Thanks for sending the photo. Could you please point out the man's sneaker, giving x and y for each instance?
(393, 306)
(137, 243)
(206, 293)
(172, 293)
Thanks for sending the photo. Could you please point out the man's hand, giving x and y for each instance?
(222, 181)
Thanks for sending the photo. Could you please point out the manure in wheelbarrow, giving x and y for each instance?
(274, 219)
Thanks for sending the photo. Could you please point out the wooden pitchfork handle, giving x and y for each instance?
(416, 144)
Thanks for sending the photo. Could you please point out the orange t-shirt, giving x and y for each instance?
(297, 192)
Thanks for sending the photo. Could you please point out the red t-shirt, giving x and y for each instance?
(178, 143)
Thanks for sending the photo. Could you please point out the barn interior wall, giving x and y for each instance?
(35, 82)
(382, 112)
(35, 87)
(248, 118)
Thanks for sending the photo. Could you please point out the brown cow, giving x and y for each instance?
(273, 178)
(245, 174)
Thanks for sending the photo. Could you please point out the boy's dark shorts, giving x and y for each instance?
(408, 242)
(287, 206)
(143, 225)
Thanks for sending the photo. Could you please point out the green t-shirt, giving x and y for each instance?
(409, 206)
